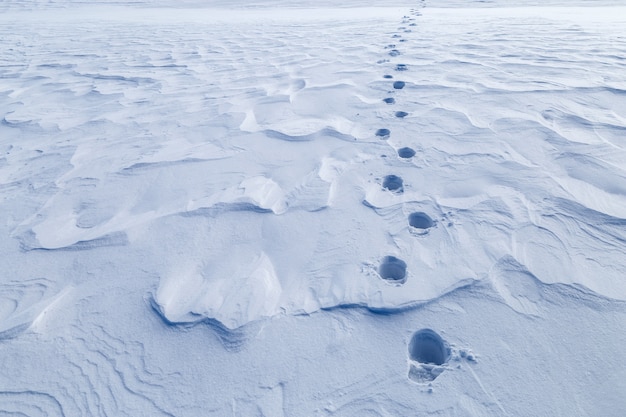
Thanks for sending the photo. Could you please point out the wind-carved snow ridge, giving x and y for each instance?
(24, 303)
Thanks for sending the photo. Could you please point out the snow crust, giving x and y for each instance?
(312, 184)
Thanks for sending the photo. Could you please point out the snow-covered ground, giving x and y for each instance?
(289, 208)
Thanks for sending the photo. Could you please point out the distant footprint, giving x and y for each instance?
(394, 52)
(393, 183)
(392, 270)
(383, 133)
(428, 354)
(389, 100)
(399, 85)
(401, 114)
(387, 76)
(406, 153)
(401, 67)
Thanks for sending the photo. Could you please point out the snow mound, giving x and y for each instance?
(217, 289)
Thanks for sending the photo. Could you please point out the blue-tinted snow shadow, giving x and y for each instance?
(233, 340)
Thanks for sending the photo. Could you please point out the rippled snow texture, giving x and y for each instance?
(233, 165)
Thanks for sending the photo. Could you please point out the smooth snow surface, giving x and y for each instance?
(286, 208)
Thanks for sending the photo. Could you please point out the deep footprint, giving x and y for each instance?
(399, 85)
(387, 76)
(406, 153)
(383, 133)
(428, 347)
(393, 183)
(389, 100)
(401, 114)
(393, 270)
(428, 353)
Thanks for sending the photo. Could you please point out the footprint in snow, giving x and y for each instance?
(383, 133)
(420, 220)
(389, 100)
(406, 153)
(392, 270)
(399, 85)
(420, 223)
(401, 114)
(428, 354)
(393, 183)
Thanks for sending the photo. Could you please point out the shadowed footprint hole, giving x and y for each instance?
(389, 100)
(401, 114)
(399, 85)
(387, 76)
(392, 270)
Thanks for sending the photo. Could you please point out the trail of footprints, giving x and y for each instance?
(392, 269)
(428, 353)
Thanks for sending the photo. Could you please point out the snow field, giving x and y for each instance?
(265, 213)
